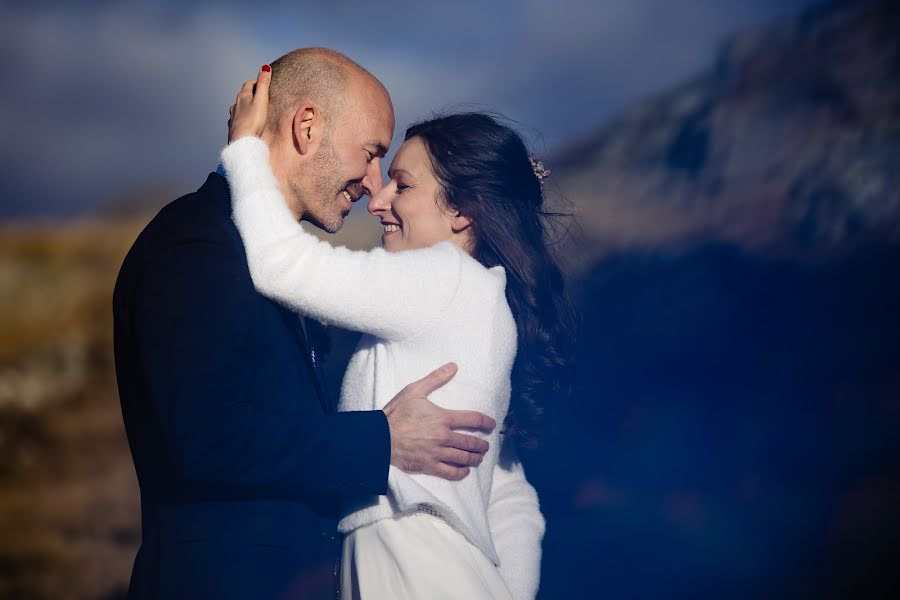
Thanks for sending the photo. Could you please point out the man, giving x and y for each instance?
(236, 445)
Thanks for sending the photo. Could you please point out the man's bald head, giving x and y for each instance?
(330, 123)
(322, 77)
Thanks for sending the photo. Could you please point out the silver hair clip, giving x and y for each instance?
(540, 171)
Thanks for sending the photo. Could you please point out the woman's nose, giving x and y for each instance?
(380, 201)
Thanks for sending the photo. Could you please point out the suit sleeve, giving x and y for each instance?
(390, 295)
(218, 410)
(516, 523)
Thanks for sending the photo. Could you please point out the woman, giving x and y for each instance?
(464, 275)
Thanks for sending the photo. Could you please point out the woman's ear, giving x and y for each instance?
(460, 223)
(306, 128)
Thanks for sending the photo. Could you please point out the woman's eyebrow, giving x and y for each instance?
(395, 172)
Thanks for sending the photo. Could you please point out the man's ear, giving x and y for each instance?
(306, 126)
(460, 223)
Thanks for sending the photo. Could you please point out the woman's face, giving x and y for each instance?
(409, 206)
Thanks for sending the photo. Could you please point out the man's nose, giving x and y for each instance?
(372, 181)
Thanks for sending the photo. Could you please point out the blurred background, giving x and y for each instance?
(734, 168)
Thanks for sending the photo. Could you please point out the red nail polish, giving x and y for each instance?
(266, 68)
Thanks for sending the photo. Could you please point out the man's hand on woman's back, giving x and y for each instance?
(423, 439)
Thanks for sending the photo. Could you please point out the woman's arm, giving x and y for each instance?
(391, 295)
(516, 523)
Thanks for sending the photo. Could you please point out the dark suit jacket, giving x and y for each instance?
(240, 458)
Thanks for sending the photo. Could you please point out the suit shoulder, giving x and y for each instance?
(201, 216)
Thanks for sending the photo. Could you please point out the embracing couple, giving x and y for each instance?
(244, 461)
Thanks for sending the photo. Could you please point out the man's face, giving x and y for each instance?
(346, 165)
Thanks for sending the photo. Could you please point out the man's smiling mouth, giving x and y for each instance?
(353, 191)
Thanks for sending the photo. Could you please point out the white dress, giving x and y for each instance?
(415, 556)
(419, 309)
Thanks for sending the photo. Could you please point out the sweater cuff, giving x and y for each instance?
(259, 209)
(246, 162)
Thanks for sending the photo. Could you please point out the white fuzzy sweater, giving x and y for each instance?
(419, 309)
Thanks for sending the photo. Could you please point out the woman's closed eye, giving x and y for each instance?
(401, 187)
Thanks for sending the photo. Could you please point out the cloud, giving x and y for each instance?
(114, 95)
(112, 99)
(557, 66)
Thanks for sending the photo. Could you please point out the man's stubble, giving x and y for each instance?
(320, 199)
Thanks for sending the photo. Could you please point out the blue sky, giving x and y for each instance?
(117, 97)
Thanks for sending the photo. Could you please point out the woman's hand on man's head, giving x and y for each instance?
(250, 110)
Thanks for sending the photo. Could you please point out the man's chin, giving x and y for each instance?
(335, 226)
(331, 225)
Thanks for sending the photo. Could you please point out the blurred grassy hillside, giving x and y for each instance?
(69, 505)
(69, 501)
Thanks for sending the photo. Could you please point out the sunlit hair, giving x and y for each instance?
(316, 75)
(486, 174)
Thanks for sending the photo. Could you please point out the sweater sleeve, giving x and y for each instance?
(390, 295)
(516, 524)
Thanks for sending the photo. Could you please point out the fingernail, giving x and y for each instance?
(266, 68)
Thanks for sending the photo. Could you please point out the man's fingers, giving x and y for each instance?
(470, 419)
(433, 380)
(469, 443)
(459, 458)
(448, 472)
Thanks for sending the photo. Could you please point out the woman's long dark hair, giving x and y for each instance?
(486, 174)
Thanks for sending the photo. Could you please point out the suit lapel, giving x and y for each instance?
(292, 320)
